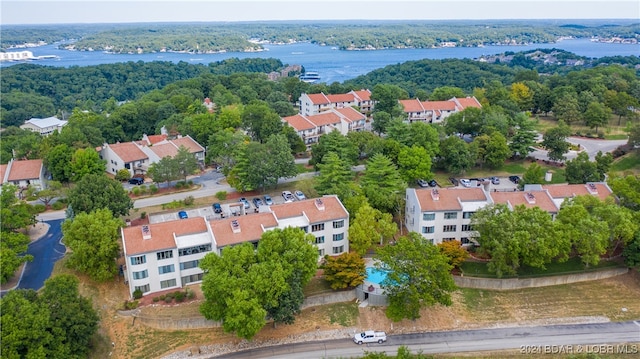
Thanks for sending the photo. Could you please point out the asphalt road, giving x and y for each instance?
(591, 146)
(46, 251)
(600, 338)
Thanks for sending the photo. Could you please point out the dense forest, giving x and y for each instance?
(354, 35)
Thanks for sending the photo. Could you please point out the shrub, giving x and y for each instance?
(162, 297)
(123, 175)
(143, 189)
(58, 205)
(143, 215)
(153, 189)
(137, 294)
(189, 200)
(39, 208)
(600, 135)
(168, 299)
(136, 191)
(128, 305)
(190, 183)
(180, 184)
(180, 296)
(190, 294)
(221, 195)
(156, 299)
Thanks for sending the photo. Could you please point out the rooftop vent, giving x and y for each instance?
(530, 198)
(319, 204)
(235, 226)
(435, 195)
(591, 187)
(146, 232)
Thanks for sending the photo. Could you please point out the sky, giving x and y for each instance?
(122, 11)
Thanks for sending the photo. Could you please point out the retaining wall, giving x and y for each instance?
(519, 283)
(329, 298)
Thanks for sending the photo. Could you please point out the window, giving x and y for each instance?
(320, 240)
(168, 283)
(317, 227)
(450, 215)
(448, 239)
(428, 216)
(338, 250)
(428, 229)
(142, 288)
(465, 240)
(140, 275)
(305, 229)
(320, 252)
(189, 265)
(192, 278)
(193, 250)
(449, 228)
(138, 260)
(338, 237)
(164, 255)
(338, 224)
(467, 215)
(166, 269)
(467, 227)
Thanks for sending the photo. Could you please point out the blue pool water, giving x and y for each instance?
(375, 275)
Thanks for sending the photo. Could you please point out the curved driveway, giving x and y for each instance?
(529, 341)
(591, 146)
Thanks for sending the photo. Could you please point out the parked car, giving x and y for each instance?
(246, 203)
(495, 180)
(288, 196)
(299, 195)
(136, 180)
(268, 200)
(217, 208)
(370, 337)
(182, 215)
(465, 182)
(514, 179)
(433, 183)
(422, 183)
(454, 181)
(258, 202)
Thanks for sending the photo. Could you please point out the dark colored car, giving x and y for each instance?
(514, 179)
(257, 202)
(136, 180)
(433, 183)
(182, 215)
(217, 208)
(454, 181)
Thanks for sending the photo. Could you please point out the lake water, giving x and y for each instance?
(332, 64)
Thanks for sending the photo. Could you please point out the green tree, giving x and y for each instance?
(521, 95)
(382, 184)
(524, 139)
(12, 247)
(370, 226)
(93, 238)
(534, 174)
(281, 160)
(73, 319)
(555, 141)
(224, 146)
(444, 93)
(414, 163)
(634, 136)
(185, 162)
(381, 120)
(418, 276)
(57, 161)
(386, 97)
(15, 214)
(492, 149)
(334, 141)
(53, 190)
(627, 189)
(596, 115)
(334, 173)
(603, 163)
(567, 109)
(260, 121)
(589, 236)
(631, 252)
(454, 251)
(296, 144)
(581, 170)
(25, 326)
(94, 192)
(344, 271)
(85, 162)
(455, 156)
(165, 170)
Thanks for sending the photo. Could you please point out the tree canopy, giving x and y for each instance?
(97, 191)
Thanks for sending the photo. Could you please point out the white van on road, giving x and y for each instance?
(370, 336)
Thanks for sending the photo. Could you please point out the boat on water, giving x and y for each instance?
(310, 76)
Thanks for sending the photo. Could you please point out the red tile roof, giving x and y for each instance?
(299, 122)
(333, 209)
(189, 143)
(439, 105)
(153, 139)
(163, 150)
(541, 199)
(251, 228)
(411, 105)
(363, 95)
(448, 198)
(162, 235)
(570, 190)
(345, 97)
(3, 171)
(325, 118)
(351, 114)
(128, 152)
(468, 102)
(318, 98)
(24, 170)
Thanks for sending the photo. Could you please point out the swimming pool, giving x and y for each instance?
(376, 276)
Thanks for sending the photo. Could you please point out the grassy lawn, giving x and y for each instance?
(612, 131)
(345, 314)
(628, 163)
(573, 265)
(317, 285)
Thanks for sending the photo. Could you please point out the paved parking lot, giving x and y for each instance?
(505, 184)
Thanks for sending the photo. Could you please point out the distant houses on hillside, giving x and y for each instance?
(44, 126)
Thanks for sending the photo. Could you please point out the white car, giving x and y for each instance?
(370, 336)
(465, 182)
(288, 196)
(299, 195)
